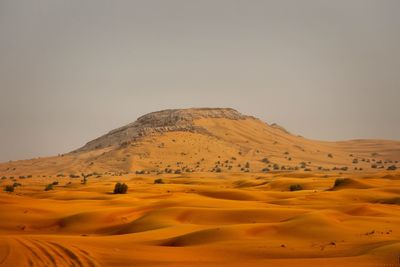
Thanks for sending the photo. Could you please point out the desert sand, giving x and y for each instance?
(225, 199)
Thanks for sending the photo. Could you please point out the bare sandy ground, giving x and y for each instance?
(204, 219)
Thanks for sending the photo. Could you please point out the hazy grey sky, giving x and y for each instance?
(73, 70)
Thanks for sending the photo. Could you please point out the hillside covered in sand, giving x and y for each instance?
(209, 140)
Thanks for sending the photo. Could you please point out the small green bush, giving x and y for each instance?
(120, 188)
(9, 188)
(265, 160)
(392, 168)
(49, 187)
(295, 187)
(339, 182)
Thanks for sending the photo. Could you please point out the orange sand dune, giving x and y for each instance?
(203, 219)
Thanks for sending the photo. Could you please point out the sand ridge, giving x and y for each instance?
(202, 218)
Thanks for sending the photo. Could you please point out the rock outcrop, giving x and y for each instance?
(160, 122)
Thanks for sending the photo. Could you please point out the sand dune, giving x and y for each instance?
(192, 223)
(234, 191)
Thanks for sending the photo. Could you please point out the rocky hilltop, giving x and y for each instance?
(209, 140)
(159, 122)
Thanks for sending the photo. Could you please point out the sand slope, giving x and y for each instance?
(203, 219)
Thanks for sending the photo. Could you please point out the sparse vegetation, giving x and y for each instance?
(339, 182)
(9, 188)
(265, 160)
(120, 188)
(392, 168)
(295, 187)
(303, 165)
(330, 155)
(158, 181)
(16, 184)
(49, 187)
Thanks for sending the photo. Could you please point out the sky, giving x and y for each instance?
(71, 71)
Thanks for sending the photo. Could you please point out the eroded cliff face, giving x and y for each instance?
(160, 122)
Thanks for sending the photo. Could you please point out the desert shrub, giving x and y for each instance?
(247, 165)
(9, 188)
(355, 161)
(3, 178)
(344, 168)
(48, 187)
(265, 170)
(330, 155)
(71, 176)
(339, 182)
(16, 184)
(307, 169)
(374, 166)
(178, 171)
(55, 183)
(60, 175)
(392, 168)
(84, 180)
(303, 165)
(265, 160)
(275, 166)
(295, 187)
(120, 188)
(158, 181)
